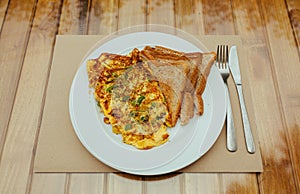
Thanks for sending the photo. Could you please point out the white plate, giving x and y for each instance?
(99, 140)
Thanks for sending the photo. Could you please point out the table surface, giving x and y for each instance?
(270, 31)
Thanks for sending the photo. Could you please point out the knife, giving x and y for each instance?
(236, 74)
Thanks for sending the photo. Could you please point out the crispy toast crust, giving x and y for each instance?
(208, 60)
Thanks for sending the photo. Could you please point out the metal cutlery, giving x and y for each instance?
(235, 71)
(222, 64)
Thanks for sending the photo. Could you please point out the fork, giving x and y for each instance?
(222, 64)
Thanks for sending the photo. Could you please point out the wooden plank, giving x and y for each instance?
(202, 183)
(131, 14)
(74, 17)
(271, 128)
(218, 17)
(294, 7)
(48, 183)
(169, 184)
(119, 183)
(18, 153)
(14, 37)
(284, 53)
(189, 17)
(73, 20)
(295, 20)
(293, 4)
(294, 12)
(87, 183)
(239, 183)
(3, 8)
(161, 13)
(103, 17)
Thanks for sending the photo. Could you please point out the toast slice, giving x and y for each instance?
(171, 69)
(204, 69)
(187, 108)
(195, 60)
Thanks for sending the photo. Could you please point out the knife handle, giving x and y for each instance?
(247, 128)
(230, 133)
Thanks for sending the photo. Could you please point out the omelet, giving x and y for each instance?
(130, 98)
(145, 92)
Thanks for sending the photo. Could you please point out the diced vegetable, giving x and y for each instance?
(140, 99)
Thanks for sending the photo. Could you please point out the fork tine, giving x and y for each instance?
(226, 57)
(219, 56)
(223, 56)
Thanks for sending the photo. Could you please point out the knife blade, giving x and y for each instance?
(236, 74)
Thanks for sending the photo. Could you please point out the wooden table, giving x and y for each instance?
(270, 30)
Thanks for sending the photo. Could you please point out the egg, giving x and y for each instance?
(130, 99)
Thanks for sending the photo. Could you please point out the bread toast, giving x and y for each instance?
(171, 69)
(198, 67)
(204, 69)
(187, 108)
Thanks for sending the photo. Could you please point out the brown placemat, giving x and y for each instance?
(59, 149)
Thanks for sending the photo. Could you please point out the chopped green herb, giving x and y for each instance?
(132, 113)
(144, 118)
(110, 88)
(140, 99)
(133, 102)
(153, 104)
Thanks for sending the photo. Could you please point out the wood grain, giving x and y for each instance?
(218, 17)
(17, 158)
(160, 12)
(282, 47)
(48, 184)
(13, 41)
(171, 183)
(74, 17)
(119, 183)
(201, 183)
(103, 17)
(129, 16)
(270, 126)
(295, 20)
(73, 20)
(87, 183)
(239, 183)
(294, 13)
(3, 8)
(189, 17)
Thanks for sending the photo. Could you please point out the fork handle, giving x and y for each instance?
(230, 133)
(246, 123)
